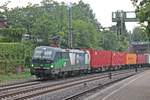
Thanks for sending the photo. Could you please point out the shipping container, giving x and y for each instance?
(131, 59)
(147, 58)
(118, 58)
(100, 58)
(141, 59)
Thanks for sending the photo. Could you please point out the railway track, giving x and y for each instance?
(76, 96)
(40, 89)
(29, 89)
(17, 82)
(83, 94)
(25, 84)
(7, 88)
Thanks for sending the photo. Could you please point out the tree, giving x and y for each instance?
(12, 34)
(85, 35)
(50, 18)
(143, 12)
(110, 41)
(139, 34)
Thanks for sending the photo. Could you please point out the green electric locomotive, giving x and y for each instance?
(52, 61)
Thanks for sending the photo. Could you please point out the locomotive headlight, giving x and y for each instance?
(52, 66)
(32, 65)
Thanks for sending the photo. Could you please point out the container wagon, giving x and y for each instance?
(118, 60)
(147, 59)
(131, 60)
(100, 59)
(141, 60)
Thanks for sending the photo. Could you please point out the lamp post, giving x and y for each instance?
(70, 24)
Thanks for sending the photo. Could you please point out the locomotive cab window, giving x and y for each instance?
(37, 53)
(58, 55)
(43, 54)
(47, 54)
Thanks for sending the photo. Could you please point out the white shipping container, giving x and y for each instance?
(148, 58)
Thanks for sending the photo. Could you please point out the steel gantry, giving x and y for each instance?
(121, 17)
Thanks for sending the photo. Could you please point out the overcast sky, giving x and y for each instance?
(101, 8)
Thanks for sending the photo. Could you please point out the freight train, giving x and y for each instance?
(53, 61)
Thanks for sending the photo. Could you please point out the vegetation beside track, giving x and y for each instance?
(14, 55)
(16, 76)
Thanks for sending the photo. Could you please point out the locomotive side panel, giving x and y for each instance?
(147, 58)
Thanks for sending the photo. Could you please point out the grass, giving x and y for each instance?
(11, 77)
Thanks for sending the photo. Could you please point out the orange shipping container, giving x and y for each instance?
(131, 59)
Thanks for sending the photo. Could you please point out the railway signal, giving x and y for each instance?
(121, 17)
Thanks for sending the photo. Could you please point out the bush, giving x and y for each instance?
(13, 55)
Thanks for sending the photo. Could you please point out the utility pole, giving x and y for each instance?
(70, 44)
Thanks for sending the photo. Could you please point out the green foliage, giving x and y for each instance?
(11, 77)
(85, 34)
(110, 41)
(143, 13)
(50, 18)
(28, 47)
(12, 34)
(139, 34)
(13, 55)
(4, 39)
